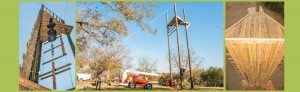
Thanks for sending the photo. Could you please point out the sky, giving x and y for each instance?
(206, 35)
(28, 12)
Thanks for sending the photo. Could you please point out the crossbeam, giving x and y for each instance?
(54, 59)
(51, 49)
(171, 32)
(256, 40)
(56, 73)
(55, 69)
(48, 41)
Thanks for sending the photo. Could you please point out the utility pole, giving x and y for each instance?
(170, 63)
(178, 45)
(189, 54)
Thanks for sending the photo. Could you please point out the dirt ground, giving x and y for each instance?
(234, 12)
(90, 85)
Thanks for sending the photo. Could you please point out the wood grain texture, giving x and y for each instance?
(256, 45)
(31, 85)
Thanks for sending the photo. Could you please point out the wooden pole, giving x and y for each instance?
(62, 44)
(53, 76)
(71, 43)
(189, 54)
(170, 63)
(178, 45)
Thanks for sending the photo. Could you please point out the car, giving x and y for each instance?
(83, 77)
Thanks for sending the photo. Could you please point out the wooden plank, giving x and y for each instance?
(31, 85)
(256, 40)
(254, 24)
(237, 23)
(254, 62)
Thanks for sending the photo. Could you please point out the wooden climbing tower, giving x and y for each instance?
(173, 26)
(30, 68)
(255, 45)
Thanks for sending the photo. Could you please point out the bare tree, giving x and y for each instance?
(146, 65)
(195, 61)
(108, 58)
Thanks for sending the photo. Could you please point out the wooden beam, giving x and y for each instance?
(236, 23)
(256, 40)
(56, 73)
(169, 49)
(31, 85)
(178, 45)
(62, 44)
(179, 21)
(55, 69)
(281, 26)
(51, 49)
(171, 32)
(53, 76)
(54, 59)
(48, 42)
(71, 43)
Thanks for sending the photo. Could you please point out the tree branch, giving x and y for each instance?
(107, 3)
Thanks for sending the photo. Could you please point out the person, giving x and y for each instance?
(98, 83)
(182, 70)
(145, 78)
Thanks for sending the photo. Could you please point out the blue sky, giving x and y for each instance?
(206, 35)
(28, 12)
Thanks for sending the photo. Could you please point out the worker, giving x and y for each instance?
(169, 82)
(182, 70)
(98, 83)
(145, 78)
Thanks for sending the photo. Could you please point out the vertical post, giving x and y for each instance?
(37, 69)
(178, 43)
(189, 54)
(62, 44)
(170, 63)
(53, 76)
(71, 43)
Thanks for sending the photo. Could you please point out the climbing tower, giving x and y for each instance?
(32, 61)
